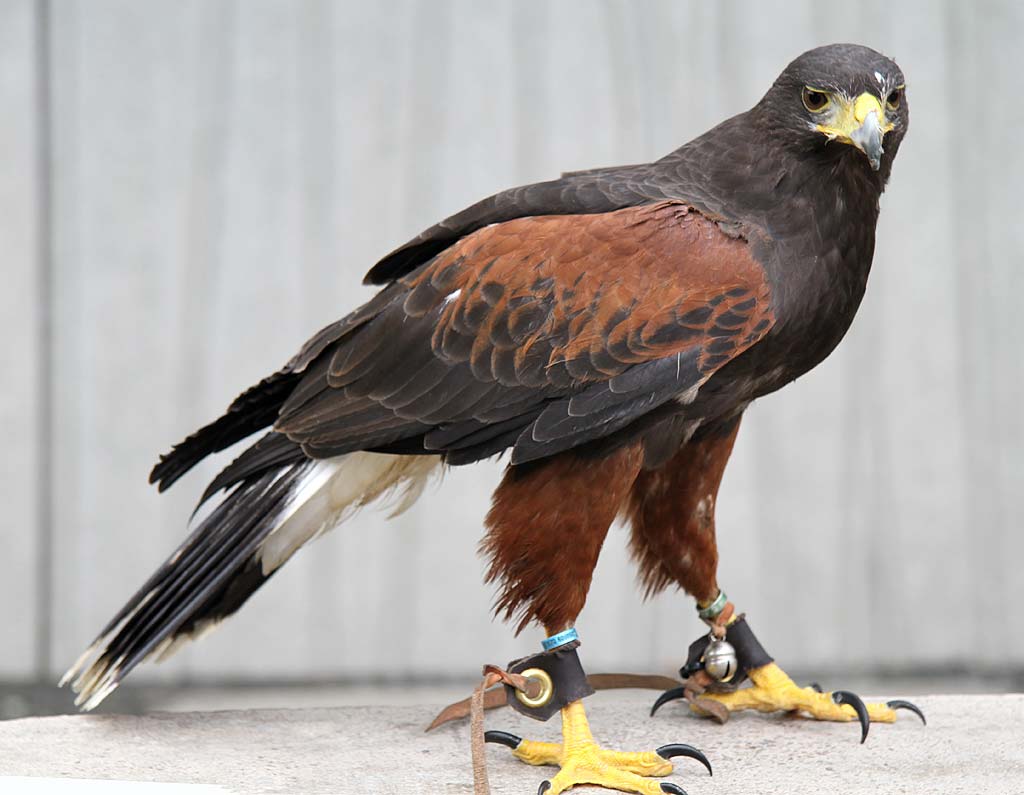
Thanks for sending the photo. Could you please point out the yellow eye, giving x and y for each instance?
(895, 97)
(815, 101)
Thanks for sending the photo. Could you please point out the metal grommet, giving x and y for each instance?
(547, 689)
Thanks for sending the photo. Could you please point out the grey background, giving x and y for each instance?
(189, 189)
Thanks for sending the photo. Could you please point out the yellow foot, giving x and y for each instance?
(773, 690)
(582, 761)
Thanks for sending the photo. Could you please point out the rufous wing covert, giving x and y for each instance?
(538, 334)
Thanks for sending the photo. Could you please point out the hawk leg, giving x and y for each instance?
(545, 531)
(671, 511)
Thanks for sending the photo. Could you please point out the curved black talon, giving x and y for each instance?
(668, 695)
(502, 738)
(682, 749)
(675, 789)
(545, 785)
(899, 703)
(815, 687)
(853, 700)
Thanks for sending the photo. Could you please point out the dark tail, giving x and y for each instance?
(206, 579)
(219, 566)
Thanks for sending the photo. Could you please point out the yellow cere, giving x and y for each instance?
(848, 116)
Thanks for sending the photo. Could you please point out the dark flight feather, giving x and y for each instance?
(205, 580)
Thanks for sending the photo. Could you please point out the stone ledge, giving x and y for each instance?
(972, 744)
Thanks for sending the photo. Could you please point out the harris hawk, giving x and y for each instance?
(606, 330)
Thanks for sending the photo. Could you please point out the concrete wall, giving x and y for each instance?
(188, 189)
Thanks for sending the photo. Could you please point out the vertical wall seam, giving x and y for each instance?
(44, 370)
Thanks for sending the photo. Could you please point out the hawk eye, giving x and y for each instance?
(893, 100)
(815, 101)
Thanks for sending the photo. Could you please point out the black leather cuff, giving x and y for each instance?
(749, 651)
(568, 681)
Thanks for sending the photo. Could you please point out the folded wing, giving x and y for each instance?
(540, 334)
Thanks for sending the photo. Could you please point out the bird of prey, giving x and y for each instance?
(606, 331)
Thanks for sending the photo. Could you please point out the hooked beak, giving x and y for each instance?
(861, 123)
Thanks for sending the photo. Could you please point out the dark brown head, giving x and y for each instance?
(839, 99)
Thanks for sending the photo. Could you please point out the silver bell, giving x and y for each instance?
(720, 661)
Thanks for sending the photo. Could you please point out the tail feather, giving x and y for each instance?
(276, 497)
(262, 520)
(273, 451)
(172, 601)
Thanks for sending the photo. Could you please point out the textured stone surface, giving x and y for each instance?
(972, 744)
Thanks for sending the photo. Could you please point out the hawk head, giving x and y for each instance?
(838, 96)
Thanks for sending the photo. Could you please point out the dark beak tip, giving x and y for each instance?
(868, 138)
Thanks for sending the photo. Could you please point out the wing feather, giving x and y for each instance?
(543, 332)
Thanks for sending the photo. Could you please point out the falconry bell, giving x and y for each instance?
(720, 661)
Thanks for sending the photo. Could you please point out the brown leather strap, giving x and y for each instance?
(493, 675)
(481, 784)
(626, 681)
(719, 623)
(492, 697)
